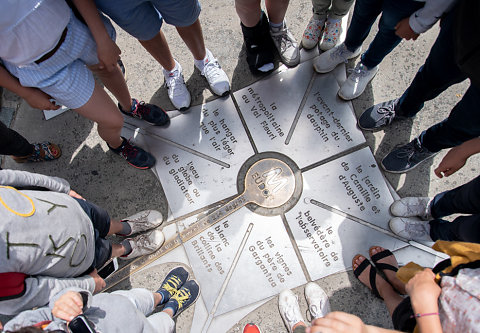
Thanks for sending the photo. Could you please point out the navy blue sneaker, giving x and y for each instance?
(406, 157)
(379, 115)
(172, 283)
(183, 298)
(134, 155)
(149, 112)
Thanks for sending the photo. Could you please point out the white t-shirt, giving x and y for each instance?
(31, 28)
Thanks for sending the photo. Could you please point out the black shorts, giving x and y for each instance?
(402, 316)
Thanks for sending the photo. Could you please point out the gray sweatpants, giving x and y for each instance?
(335, 9)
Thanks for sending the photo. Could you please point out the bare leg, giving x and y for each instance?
(118, 250)
(276, 10)
(115, 83)
(158, 48)
(101, 109)
(115, 227)
(193, 38)
(391, 275)
(391, 298)
(249, 12)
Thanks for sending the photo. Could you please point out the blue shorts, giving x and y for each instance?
(143, 19)
(65, 75)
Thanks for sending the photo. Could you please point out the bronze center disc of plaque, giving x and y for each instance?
(273, 180)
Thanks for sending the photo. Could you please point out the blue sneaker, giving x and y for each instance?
(380, 115)
(406, 157)
(151, 113)
(174, 280)
(183, 298)
(134, 155)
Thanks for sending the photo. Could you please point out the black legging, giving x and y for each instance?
(12, 143)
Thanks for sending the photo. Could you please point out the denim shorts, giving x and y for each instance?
(143, 19)
(101, 224)
(65, 75)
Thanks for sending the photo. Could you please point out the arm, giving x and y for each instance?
(457, 157)
(108, 51)
(17, 178)
(424, 293)
(341, 322)
(36, 98)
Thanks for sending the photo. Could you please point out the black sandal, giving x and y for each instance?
(372, 277)
(379, 256)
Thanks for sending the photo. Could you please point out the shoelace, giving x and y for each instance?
(172, 284)
(143, 241)
(211, 69)
(128, 150)
(141, 109)
(415, 229)
(283, 39)
(173, 80)
(339, 52)
(141, 219)
(409, 150)
(387, 112)
(182, 296)
(357, 72)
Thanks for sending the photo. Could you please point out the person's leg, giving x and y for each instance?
(463, 228)
(464, 199)
(340, 8)
(193, 38)
(320, 8)
(249, 12)
(364, 15)
(114, 81)
(439, 72)
(12, 143)
(276, 10)
(159, 49)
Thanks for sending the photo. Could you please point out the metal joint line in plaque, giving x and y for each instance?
(244, 123)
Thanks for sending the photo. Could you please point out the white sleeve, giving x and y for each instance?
(424, 18)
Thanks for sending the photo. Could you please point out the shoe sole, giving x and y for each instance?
(404, 171)
(193, 302)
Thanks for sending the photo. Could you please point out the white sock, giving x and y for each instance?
(201, 63)
(173, 69)
(276, 25)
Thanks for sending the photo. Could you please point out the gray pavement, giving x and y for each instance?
(107, 180)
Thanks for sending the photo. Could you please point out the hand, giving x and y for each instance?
(403, 30)
(74, 194)
(451, 163)
(108, 54)
(68, 306)
(424, 291)
(339, 322)
(99, 282)
(37, 99)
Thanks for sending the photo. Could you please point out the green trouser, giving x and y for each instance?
(334, 9)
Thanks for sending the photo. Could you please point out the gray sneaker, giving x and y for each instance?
(143, 221)
(145, 244)
(412, 206)
(411, 228)
(286, 45)
(406, 157)
(379, 115)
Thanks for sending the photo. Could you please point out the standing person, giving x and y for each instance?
(143, 19)
(400, 19)
(259, 32)
(325, 26)
(45, 46)
(53, 239)
(119, 311)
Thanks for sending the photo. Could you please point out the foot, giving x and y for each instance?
(151, 113)
(317, 300)
(183, 298)
(367, 274)
(331, 34)
(259, 46)
(177, 90)
(357, 81)
(385, 261)
(217, 79)
(134, 155)
(144, 244)
(43, 151)
(172, 283)
(379, 116)
(327, 61)
(413, 206)
(312, 33)
(251, 328)
(143, 221)
(406, 158)
(289, 309)
(286, 45)
(411, 228)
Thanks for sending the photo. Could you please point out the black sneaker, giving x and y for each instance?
(172, 283)
(379, 115)
(149, 112)
(134, 155)
(183, 298)
(406, 157)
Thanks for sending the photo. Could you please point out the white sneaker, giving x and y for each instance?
(177, 90)
(327, 61)
(289, 309)
(412, 206)
(286, 45)
(145, 244)
(331, 34)
(411, 229)
(216, 77)
(143, 221)
(312, 33)
(317, 300)
(357, 81)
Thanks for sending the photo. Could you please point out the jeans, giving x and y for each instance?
(12, 143)
(365, 14)
(464, 199)
(439, 72)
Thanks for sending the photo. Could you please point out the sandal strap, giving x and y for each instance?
(380, 255)
(385, 266)
(372, 276)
